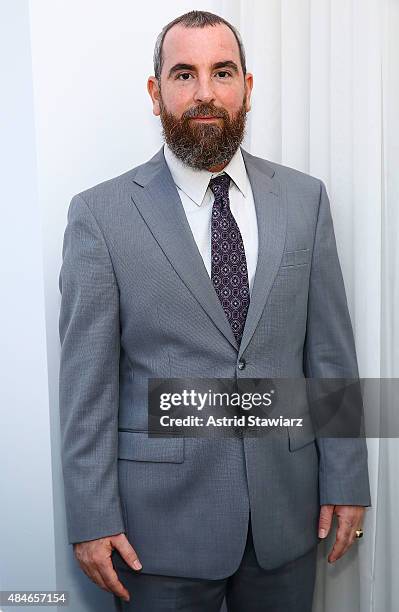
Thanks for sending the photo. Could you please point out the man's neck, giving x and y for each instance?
(218, 168)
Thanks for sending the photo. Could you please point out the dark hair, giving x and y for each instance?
(194, 19)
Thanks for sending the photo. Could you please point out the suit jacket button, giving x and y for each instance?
(241, 364)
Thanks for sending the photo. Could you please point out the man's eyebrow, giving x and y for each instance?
(224, 64)
(177, 67)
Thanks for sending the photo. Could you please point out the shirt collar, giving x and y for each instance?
(194, 183)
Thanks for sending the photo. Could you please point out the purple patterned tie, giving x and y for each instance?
(229, 266)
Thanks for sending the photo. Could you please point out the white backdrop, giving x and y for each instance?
(325, 99)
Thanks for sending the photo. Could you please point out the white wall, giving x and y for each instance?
(27, 559)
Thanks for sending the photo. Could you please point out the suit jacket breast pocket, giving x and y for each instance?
(292, 259)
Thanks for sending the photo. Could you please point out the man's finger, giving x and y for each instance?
(97, 578)
(93, 575)
(343, 539)
(325, 519)
(127, 552)
(339, 548)
(110, 578)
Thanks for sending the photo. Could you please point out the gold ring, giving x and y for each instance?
(359, 533)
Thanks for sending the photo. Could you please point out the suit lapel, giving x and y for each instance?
(271, 213)
(158, 201)
(156, 197)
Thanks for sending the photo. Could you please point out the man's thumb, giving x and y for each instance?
(128, 553)
(326, 514)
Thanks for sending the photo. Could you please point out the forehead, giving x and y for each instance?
(199, 45)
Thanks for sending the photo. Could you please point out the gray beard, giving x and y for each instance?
(205, 153)
(206, 146)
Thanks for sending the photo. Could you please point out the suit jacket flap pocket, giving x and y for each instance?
(138, 446)
(300, 436)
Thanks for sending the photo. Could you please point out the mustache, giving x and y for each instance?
(205, 111)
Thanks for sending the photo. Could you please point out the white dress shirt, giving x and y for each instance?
(197, 200)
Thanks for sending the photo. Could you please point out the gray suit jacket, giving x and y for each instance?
(137, 302)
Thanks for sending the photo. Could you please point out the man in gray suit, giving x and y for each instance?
(207, 262)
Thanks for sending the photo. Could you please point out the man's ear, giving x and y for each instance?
(153, 90)
(249, 82)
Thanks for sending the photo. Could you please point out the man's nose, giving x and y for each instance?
(204, 92)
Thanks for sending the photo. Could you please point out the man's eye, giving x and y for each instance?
(224, 72)
(183, 74)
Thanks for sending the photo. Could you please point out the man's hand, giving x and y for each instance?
(350, 518)
(94, 557)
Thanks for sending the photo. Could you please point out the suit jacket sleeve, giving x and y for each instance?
(89, 379)
(329, 352)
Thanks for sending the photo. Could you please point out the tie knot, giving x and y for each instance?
(220, 185)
